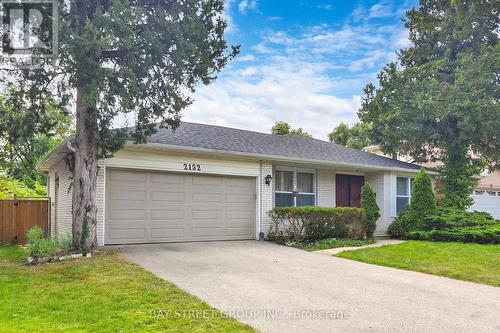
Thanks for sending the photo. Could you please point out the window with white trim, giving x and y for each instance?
(403, 193)
(294, 188)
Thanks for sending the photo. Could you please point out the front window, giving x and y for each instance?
(403, 193)
(294, 188)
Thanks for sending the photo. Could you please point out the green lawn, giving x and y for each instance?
(471, 262)
(330, 243)
(101, 294)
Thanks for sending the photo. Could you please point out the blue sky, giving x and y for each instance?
(304, 62)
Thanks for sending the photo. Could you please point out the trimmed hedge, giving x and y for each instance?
(311, 223)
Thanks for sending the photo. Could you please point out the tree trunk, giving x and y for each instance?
(85, 175)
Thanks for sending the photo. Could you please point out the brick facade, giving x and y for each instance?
(266, 195)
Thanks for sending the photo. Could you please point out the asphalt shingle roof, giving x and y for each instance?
(289, 146)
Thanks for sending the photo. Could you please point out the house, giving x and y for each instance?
(486, 196)
(205, 182)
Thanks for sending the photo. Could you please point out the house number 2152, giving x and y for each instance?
(192, 167)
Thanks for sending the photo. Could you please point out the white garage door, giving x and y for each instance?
(487, 201)
(153, 207)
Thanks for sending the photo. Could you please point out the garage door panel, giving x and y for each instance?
(128, 177)
(206, 214)
(239, 198)
(207, 180)
(127, 234)
(167, 233)
(127, 214)
(207, 232)
(165, 196)
(165, 178)
(487, 201)
(145, 207)
(238, 231)
(207, 197)
(127, 195)
(236, 214)
(168, 214)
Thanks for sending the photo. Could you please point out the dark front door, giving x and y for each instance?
(348, 190)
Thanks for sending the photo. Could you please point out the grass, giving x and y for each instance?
(330, 243)
(101, 294)
(471, 262)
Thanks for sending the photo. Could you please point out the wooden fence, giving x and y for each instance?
(17, 216)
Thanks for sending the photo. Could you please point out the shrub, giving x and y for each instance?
(369, 204)
(423, 205)
(38, 245)
(450, 225)
(10, 187)
(474, 234)
(423, 201)
(314, 223)
(64, 242)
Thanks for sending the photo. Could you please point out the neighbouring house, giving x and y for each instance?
(205, 182)
(486, 196)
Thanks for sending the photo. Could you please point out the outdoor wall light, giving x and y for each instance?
(268, 179)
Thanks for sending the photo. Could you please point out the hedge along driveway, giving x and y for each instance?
(101, 294)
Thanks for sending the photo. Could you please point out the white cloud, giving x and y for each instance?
(231, 26)
(367, 62)
(285, 89)
(312, 79)
(381, 9)
(246, 5)
(245, 58)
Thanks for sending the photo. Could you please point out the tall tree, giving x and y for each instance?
(340, 134)
(126, 56)
(440, 101)
(281, 127)
(27, 133)
(358, 136)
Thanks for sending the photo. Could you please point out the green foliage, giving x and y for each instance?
(358, 136)
(422, 205)
(340, 134)
(10, 187)
(281, 128)
(310, 223)
(458, 174)
(423, 201)
(475, 234)
(449, 225)
(440, 101)
(372, 211)
(38, 245)
(28, 131)
(300, 132)
(64, 242)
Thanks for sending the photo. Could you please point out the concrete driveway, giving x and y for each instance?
(279, 289)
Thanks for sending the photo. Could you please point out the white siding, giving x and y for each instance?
(168, 161)
(63, 201)
(100, 198)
